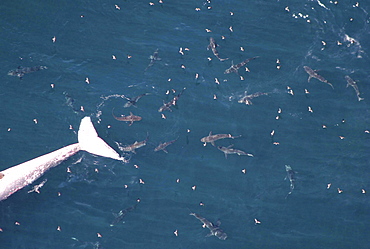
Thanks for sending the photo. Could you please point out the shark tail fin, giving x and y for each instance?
(90, 141)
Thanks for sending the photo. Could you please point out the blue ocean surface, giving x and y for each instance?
(96, 52)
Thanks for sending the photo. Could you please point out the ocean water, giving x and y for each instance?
(98, 51)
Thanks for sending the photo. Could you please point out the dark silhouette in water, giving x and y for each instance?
(20, 71)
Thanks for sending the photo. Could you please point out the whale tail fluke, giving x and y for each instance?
(89, 141)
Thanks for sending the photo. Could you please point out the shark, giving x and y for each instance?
(162, 146)
(133, 101)
(212, 138)
(37, 187)
(352, 83)
(213, 46)
(21, 71)
(235, 68)
(15, 178)
(134, 146)
(247, 99)
(128, 118)
(167, 106)
(291, 176)
(153, 58)
(121, 214)
(214, 229)
(230, 150)
(313, 74)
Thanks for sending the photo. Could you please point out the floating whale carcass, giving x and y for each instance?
(16, 177)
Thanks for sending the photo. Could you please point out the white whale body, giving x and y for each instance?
(18, 176)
